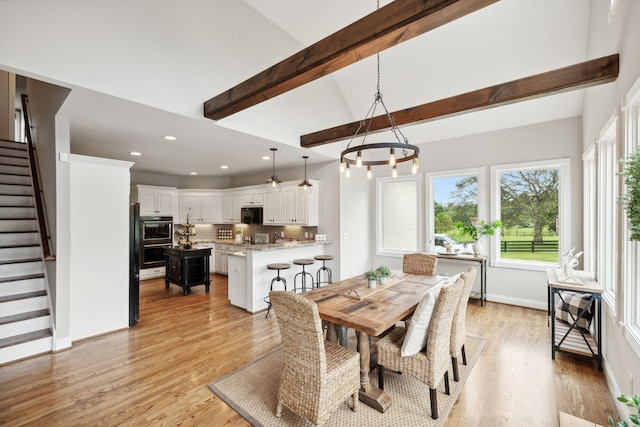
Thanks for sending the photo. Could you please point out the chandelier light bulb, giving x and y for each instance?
(414, 166)
(369, 172)
(392, 157)
(359, 160)
(347, 171)
(341, 166)
(394, 172)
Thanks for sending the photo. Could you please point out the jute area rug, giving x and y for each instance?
(251, 391)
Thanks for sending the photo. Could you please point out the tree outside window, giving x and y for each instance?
(528, 200)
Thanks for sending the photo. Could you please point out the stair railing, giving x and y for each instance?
(45, 236)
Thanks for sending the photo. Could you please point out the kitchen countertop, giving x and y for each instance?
(265, 246)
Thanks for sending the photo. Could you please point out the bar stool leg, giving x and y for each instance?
(278, 278)
(318, 275)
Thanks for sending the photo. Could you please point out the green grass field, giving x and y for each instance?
(520, 235)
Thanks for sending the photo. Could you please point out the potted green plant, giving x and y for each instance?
(631, 199)
(372, 276)
(383, 273)
(475, 230)
(633, 402)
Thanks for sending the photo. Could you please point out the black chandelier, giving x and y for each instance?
(405, 151)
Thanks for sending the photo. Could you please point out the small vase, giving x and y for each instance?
(238, 238)
(478, 249)
(372, 283)
(383, 280)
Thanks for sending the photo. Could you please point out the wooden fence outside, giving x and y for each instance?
(531, 246)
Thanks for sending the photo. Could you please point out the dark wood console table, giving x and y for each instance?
(187, 267)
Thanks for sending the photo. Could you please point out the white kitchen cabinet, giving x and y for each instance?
(253, 198)
(273, 208)
(150, 273)
(231, 205)
(222, 256)
(154, 200)
(301, 206)
(201, 208)
(212, 258)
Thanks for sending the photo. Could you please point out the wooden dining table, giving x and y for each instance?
(352, 304)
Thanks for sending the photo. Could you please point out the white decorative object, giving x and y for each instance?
(569, 261)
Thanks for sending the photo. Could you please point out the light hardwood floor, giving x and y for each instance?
(157, 372)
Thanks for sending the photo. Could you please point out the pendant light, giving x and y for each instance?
(274, 182)
(305, 184)
(406, 151)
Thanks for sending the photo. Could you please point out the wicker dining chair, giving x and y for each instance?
(317, 375)
(420, 264)
(430, 366)
(458, 331)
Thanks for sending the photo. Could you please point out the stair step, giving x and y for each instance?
(16, 200)
(18, 297)
(18, 224)
(15, 160)
(19, 267)
(14, 170)
(27, 349)
(16, 146)
(19, 303)
(18, 252)
(22, 323)
(25, 284)
(16, 212)
(19, 238)
(23, 338)
(21, 277)
(23, 316)
(15, 179)
(16, 190)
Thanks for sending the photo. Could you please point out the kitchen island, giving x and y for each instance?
(249, 279)
(187, 267)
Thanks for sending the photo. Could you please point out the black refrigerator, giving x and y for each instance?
(134, 263)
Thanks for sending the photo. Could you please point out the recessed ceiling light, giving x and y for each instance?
(170, 138)
(266, 158)
(224, 167)
(194, 173)
(135, 153)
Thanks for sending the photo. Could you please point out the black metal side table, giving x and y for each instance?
(569, 337)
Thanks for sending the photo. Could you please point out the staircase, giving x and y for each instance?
(25, 321)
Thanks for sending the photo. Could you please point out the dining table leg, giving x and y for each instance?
(369, 394)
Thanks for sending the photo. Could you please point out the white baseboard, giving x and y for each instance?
(522, 302)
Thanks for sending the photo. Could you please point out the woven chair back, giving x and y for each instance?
(418, 263)
(439, 333)
(300, 332)
(458, 329)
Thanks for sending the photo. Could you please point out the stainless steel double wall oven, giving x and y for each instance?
(156, 235)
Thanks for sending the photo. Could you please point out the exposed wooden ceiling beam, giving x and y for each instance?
(390, 25)
(578, 76)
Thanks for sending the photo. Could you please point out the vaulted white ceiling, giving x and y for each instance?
(140, 70)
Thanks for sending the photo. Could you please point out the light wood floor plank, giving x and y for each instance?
(157, 372)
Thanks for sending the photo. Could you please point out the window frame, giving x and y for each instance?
(607, 168)
(564, 212)
(429, 220)
(590, 205)
(630, 256)
(379, 215)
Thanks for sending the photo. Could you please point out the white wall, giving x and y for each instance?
(621, 36)
(99, 253)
